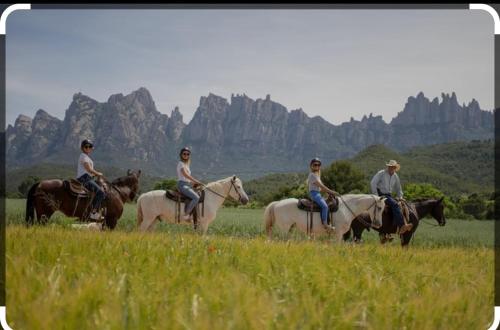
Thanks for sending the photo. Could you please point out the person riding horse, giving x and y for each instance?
(84, 175)
(186, 180)
(384, 183)
(315, 187)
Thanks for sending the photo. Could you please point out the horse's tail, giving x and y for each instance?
(139, 211)
(269, 218)
(30, 208)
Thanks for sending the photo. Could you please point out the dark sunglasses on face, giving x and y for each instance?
(87, 147)
(316, 164)
(186, 154)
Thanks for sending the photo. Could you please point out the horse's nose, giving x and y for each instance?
(244, 200)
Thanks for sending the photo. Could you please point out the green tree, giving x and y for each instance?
(342, 177)
(475, 206)
(165, 184)
(26, 184)
(414, 191)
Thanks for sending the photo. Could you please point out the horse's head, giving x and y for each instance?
(236, 191)
(437, 211)
(378, 209)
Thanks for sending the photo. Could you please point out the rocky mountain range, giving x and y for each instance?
(242, 136)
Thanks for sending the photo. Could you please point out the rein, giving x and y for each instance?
(373, 204)
(227, 194)
(122, 195)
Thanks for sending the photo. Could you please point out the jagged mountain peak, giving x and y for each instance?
(245, 134)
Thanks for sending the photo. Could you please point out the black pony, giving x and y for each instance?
(433, 207)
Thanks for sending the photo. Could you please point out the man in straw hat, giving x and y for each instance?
(384, 183)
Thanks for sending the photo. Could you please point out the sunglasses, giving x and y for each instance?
(87, 147)
(186, 154)
(316, 164)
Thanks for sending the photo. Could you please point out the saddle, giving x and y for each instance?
(179, 198)
(311, 206)
(75, 188)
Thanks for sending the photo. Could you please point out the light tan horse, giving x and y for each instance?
(285, 214)
(153, 205)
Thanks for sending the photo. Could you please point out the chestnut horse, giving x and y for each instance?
(423, 207)
(49, 196)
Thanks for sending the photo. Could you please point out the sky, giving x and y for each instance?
(336, 64)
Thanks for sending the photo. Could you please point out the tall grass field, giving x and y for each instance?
(59, 277)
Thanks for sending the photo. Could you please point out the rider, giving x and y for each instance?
(383, 184)
(185, 181)
(315, 187)
(84, 174)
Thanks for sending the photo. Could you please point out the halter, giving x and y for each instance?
(372, 205)
(227, 194)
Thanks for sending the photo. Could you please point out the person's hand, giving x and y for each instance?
(98, 173)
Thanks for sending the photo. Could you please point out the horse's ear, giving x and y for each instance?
(234, 177)
(441, 199)
(128, 172)
(138, 173)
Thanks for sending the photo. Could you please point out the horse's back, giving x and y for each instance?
(50, 184)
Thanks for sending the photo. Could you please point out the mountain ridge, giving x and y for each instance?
(231, 135)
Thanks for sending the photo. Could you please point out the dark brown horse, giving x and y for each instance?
(433, 207)
(49, 196)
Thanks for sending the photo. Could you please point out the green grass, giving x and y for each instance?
(61, 278)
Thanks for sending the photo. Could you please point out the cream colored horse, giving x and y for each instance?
(285, 214)
(153, 205)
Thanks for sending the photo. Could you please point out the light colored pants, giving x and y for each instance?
(186, 188)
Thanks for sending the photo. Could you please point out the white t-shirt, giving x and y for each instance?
(181, 177)
(84, 158)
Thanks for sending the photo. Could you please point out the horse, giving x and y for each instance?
(423, 207)
(154, 205)
(49, 196)
(285, 214)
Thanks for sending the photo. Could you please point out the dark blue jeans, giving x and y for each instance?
(316, 196)
(397, 216)
(91, 185)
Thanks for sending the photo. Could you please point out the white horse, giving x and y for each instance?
(285, 214)
(154, 205)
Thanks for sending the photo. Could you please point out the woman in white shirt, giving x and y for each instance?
(186, 180)
(85, 173)
(315, 186)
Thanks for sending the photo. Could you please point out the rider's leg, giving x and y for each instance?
(397, 215)
(188, 191)
(316, 196)
(99, 194)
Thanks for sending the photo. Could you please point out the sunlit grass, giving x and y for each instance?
(61, 278)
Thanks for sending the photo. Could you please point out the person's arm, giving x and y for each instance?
(183, 171)
(91, 170)
(399, 190)
(324, 188)
(374, 182)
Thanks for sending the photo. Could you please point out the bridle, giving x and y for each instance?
(368, 209)
(233, 180)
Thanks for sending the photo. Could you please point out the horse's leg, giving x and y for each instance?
(43, 213)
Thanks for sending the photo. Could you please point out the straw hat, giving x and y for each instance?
(393, 163)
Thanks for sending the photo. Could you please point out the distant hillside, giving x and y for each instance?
(454, 168)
